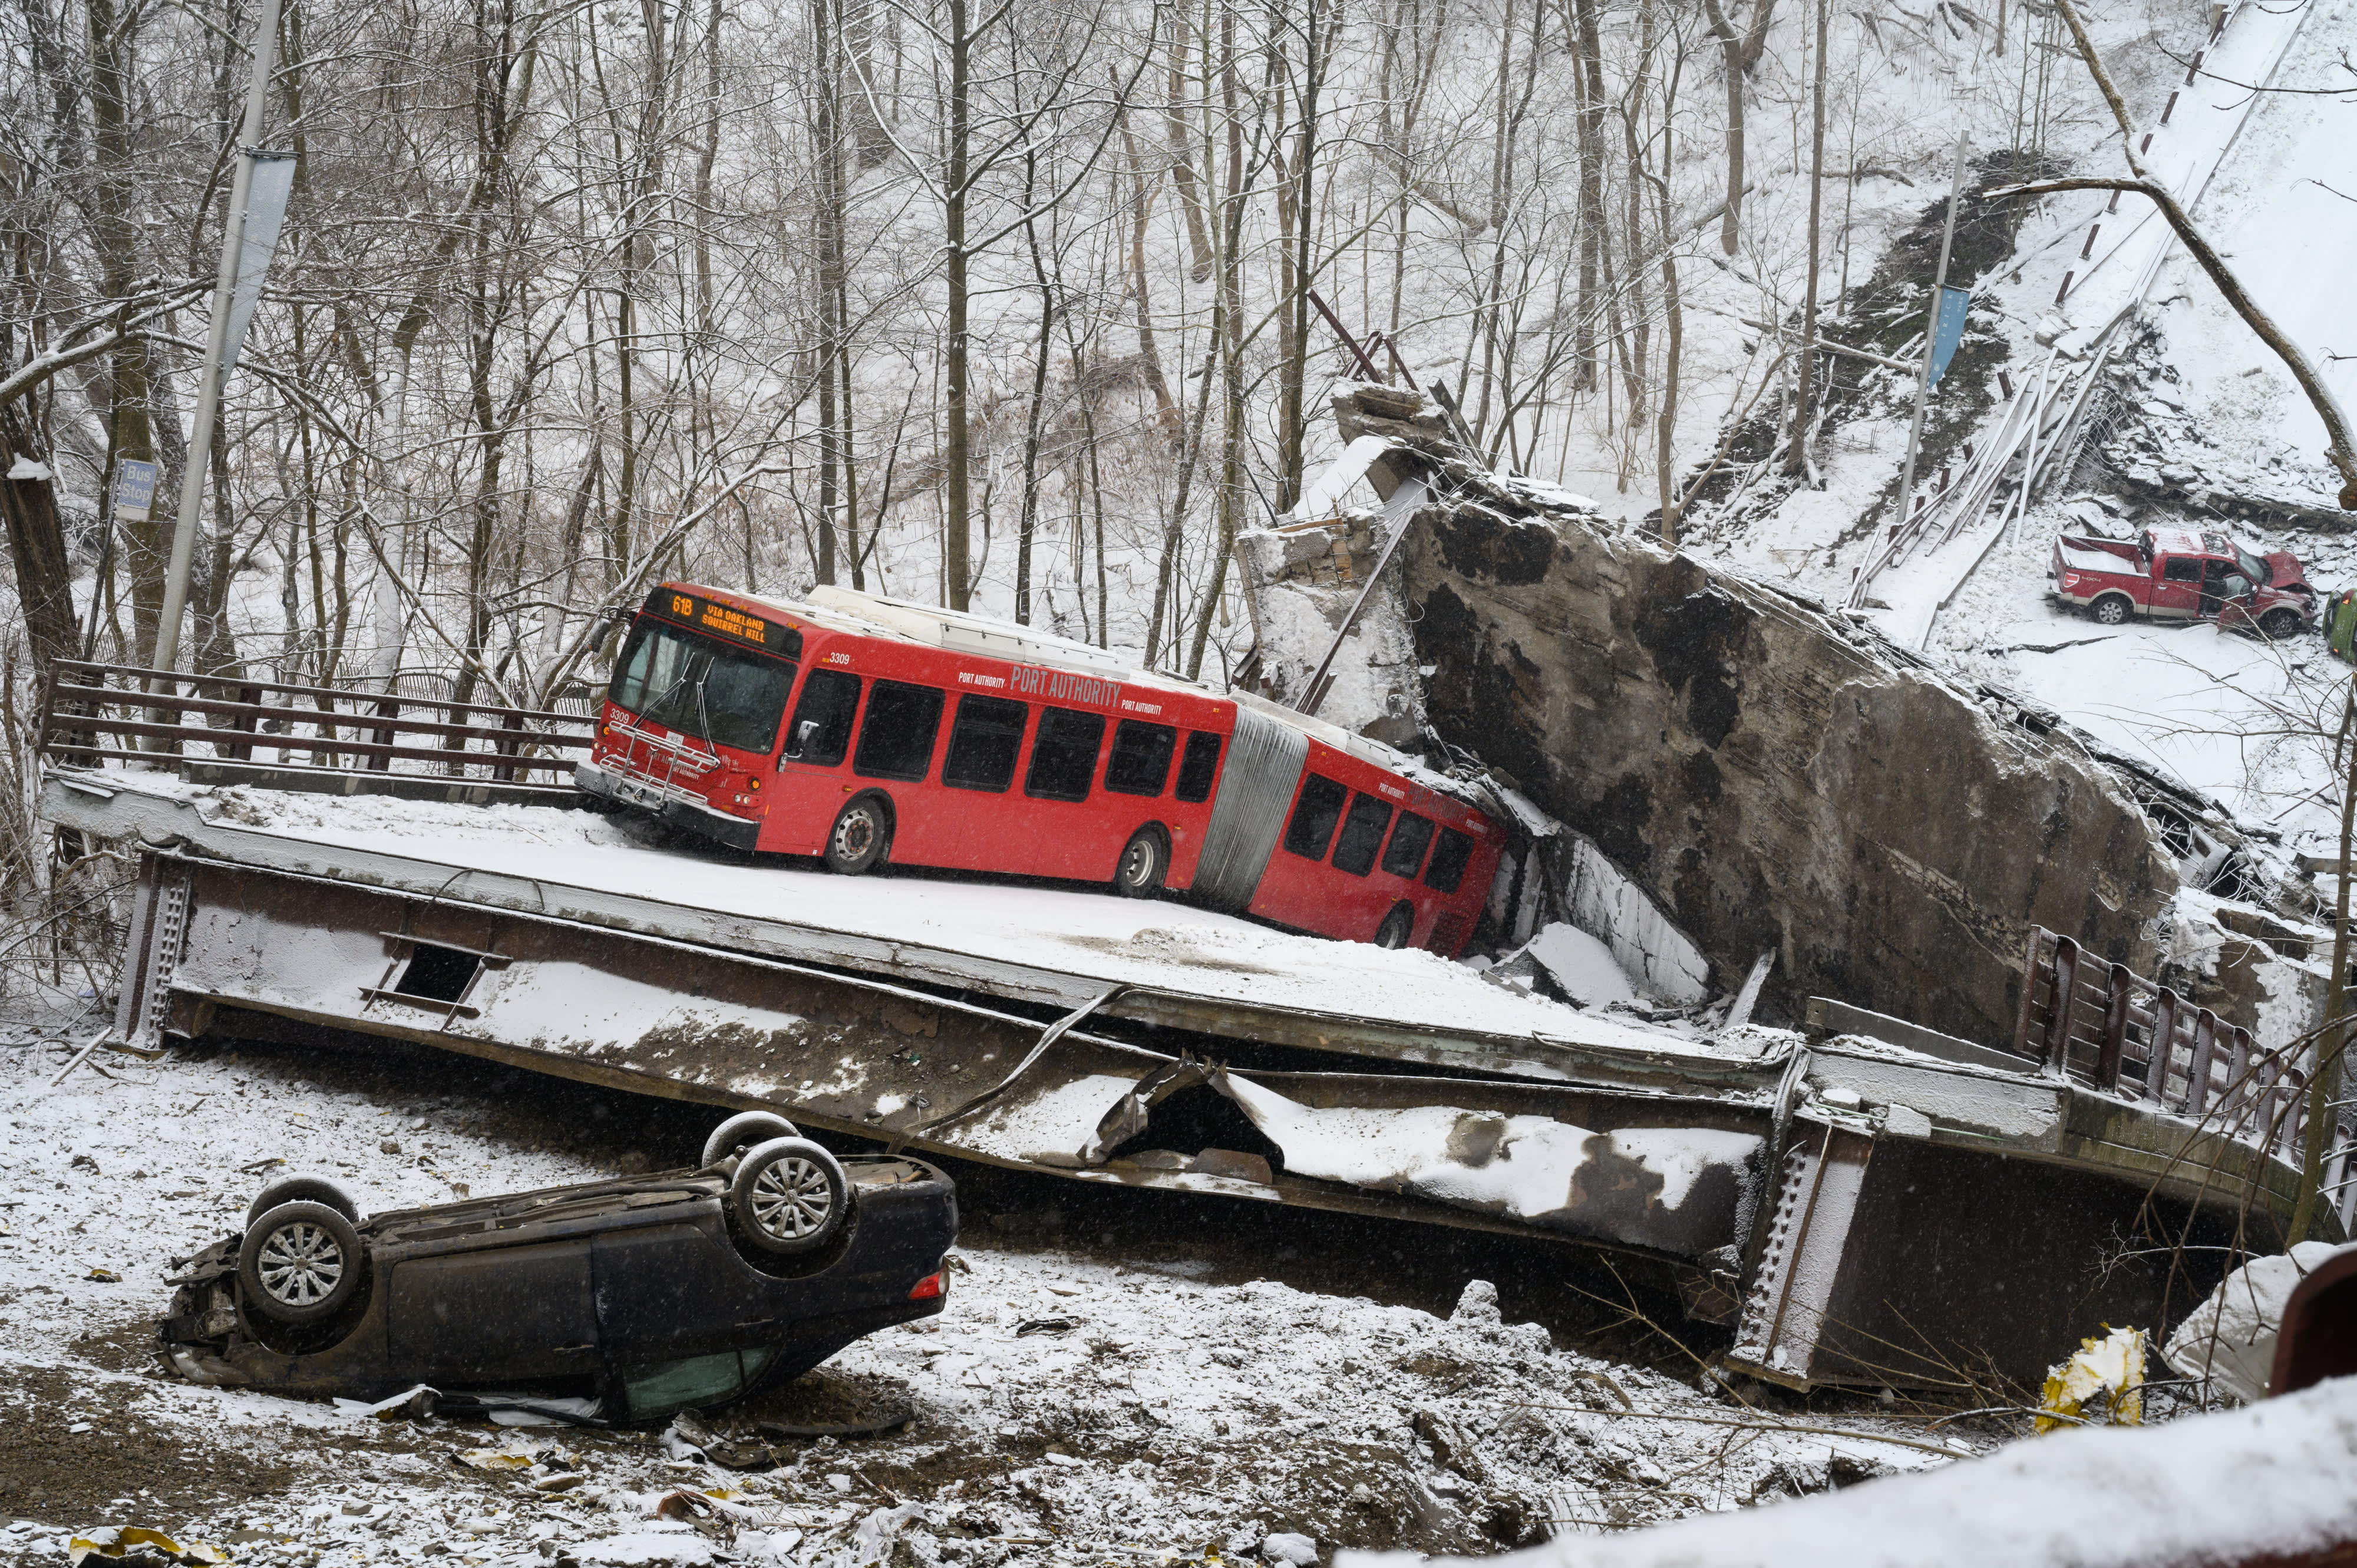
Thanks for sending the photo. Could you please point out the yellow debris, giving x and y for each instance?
(115, 1543)
(2099, 1384)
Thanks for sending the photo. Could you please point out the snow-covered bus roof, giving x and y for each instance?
(872, 614)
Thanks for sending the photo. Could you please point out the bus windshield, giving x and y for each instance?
(671, 677)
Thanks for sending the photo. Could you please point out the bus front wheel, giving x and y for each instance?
(857, 841)
(1393, 933)
(1144, 862)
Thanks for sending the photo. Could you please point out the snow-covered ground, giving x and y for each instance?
(1118, 1377)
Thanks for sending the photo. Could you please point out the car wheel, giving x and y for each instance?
(2112, 610)
(1396, 926)
(300, 1262)
(789, 1195)
(302, 1189)
(855, 844)
(1144, 862)
(743, 1131)
(2280, 624)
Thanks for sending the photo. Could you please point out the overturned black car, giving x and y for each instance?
(614, 1301)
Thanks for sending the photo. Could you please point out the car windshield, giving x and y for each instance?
(702, 688)
(2253, 567)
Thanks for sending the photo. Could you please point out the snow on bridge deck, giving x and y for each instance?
(1055, 945)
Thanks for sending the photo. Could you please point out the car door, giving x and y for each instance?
(669, 1289)
(493, 1314)
(2176, 587)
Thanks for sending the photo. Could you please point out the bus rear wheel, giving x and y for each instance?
(1144, 862)
(1397, 925)
(855, 844)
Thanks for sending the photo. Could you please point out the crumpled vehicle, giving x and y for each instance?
(613, 1302)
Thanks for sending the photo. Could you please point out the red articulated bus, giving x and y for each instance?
(851, 727)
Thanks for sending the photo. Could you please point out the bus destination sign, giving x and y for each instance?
(723, 621)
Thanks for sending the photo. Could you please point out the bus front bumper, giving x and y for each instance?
(669, 809)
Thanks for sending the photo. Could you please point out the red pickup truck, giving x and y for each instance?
(2178, 574)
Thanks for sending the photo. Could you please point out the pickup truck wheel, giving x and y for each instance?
(743, 1131)
(2109, 610)
(2280, 625)
(789, 1195)
(300, 1262)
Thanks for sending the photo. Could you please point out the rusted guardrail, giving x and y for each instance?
(2104, 1025)
(89, 711)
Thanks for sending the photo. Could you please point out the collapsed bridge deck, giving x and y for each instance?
(1857, 1210)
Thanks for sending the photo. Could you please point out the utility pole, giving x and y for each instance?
(1931, 337)
(214, 369)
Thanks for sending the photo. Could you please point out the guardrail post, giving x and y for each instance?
(2039, 937)
(2240, 1092)
(2205, 1046)
(506, 773)
(2116, 1030)
(2291, 1084)
(387, 708)
(456, 714)
(2164, 1044)
(242, 751)
(2066, 998)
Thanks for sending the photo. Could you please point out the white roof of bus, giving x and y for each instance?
(846, 609)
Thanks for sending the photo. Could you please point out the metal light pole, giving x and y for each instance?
(214, 369)
(1931, 337)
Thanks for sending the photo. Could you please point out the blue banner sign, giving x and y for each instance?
(1953, 302)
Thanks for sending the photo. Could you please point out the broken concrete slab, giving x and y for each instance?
(1775, 777)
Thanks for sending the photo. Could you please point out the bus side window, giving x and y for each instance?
(896, 739)
(1409, 841)
(984, 742)
(821, 733)
(1065, 755)
(1198, 767)
(1449, 862)
(1362, 834)
(1314, 816)
(1141, 757)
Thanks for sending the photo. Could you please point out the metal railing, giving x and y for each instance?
(93, 714)
(2103, 1024)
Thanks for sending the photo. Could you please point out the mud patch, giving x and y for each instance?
(74, 1451)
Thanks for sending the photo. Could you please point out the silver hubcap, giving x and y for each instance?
(1138, 863)
(791, 1200)
(300, 1264)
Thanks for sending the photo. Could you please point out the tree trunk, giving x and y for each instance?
(1174, 425)
(1029, 528)
(1182, 152)
(37, 544)
(1730, 45)
(1798, 462)
(115, 235)
(826, 137)
(957, 580)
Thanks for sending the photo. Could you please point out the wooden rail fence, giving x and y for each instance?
(93, 714)
(2106, 1025)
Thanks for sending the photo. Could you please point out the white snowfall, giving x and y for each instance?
(1173, 1415)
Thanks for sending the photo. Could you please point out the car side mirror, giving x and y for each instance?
(801, 738)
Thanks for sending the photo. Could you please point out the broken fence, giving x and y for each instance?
(93, 712)
(2103, 1024)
